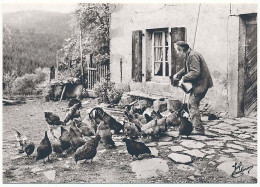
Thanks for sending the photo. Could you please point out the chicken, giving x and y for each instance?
(75, 140)
(64, 139)
(98, 114)
(155, 127)
(56, 145)
(52, 119)
(90, 123)
(44, 149)
(26, 145)
(88, 150)
(72, 102)
(113, 123)
(131, 130)
(106, 135)
(136, 148)
(173, 119)
(156, 115)
(148, 118)
(129, 114)
(132, 119)
(141, 118)
(84, 128)
(185, 127)
(75, 128)
(71, 113)
(212, 117)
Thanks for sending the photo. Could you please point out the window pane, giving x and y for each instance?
(158, 68)
(157, 39)
(166, 38)
(166, 54)
(158, 54)
(166, 68)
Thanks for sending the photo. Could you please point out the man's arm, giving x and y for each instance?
(194, 69)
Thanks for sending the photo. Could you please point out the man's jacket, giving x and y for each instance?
(196, 71)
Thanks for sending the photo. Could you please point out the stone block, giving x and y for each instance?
(160, 105)
(173, 104)
(125, 100)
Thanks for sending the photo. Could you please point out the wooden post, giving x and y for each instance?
(121, 69)
(63, 91)
(81, 59)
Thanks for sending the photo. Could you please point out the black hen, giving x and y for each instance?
(75, 140)
(75, 128)
(185, 127)
(64, 139)
(52, 119)
(212, 117)
(148, 118)
(44, 149)
(98, 114)
(73, 102)
(136, 148)
(88, 150)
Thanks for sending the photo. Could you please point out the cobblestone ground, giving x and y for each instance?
(226, 142)
(199, 159)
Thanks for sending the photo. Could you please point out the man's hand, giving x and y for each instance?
(180, 82)
(175, 76)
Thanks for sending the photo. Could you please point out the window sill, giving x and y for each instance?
(165, 80)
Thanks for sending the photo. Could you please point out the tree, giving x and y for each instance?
(93, 20)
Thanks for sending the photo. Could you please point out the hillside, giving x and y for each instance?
(40, 22)
(32, 38)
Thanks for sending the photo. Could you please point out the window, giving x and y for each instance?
(160, 53)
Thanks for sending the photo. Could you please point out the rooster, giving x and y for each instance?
(72, 113)
(98, 114)
(26, 145)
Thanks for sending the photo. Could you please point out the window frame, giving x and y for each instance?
(157, 78)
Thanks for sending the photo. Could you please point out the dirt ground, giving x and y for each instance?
(109, 166)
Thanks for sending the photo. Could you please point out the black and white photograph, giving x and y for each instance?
(138, 92)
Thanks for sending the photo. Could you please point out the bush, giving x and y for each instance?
(27, 84)
(110, 92)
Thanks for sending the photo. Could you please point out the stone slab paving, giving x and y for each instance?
(215, 143)
(184, 167)
(225, 142)
(180, 158)
(195, 152)
(234, 146)
(192, 144)
(230, 150)
(177, 148)
(147, 168)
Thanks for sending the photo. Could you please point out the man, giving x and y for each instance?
(196, 72)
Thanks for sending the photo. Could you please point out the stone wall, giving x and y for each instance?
(212, 41)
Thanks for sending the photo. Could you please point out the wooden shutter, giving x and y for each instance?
(177, 34)
(137, 56)
(250, 86)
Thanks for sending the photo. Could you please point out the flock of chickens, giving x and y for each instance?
(82, 137)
